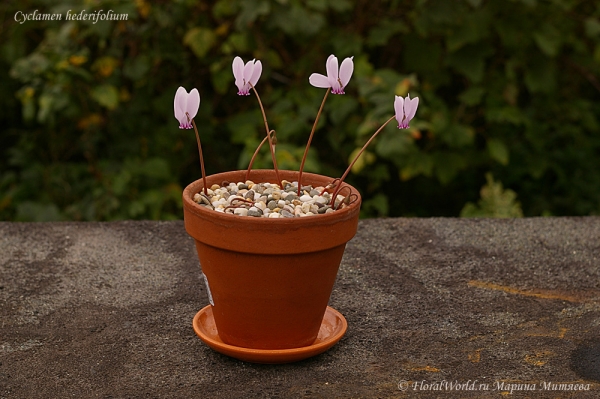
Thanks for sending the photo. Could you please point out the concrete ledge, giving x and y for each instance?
(105, 310)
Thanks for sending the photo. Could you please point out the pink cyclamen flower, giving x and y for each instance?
(246, 76)
(336, 79)
(405, 110)
(186, 107)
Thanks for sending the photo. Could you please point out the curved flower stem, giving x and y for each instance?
(268, 137)
(329, 186)
(339, 184)
(201, 158)
(256, 153)
(312, 132)
(347, 200)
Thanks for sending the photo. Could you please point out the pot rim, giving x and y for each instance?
(196, 186)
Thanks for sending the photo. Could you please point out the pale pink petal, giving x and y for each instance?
(179, 106)
(333, 72)
(248, 70)
(318, 80)
(238, 72)
(238, 67)
(410, 108)
(346, 70)
(256, 73)
(399, 108)
(193, 103)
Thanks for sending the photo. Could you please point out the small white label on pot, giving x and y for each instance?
(210, 298)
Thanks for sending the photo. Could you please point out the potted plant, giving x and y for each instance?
(270, 242)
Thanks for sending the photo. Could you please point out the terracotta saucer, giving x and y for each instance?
(332, 330)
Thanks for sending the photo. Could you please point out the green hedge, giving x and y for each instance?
(509, 101)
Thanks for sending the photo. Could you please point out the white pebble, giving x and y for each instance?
(320, 200)
(305, 208)
(273, 215)
(240, 211)
(305, 198)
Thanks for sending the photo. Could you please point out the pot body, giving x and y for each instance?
(270, 279)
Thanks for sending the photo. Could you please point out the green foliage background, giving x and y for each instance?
(509, 89)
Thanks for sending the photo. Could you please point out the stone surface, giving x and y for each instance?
(105, 310)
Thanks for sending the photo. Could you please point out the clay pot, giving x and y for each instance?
(270, 279)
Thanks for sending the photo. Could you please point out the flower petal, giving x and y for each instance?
(179, 105)
(238, 68)
(318, 80)
(410, 108)
(333, 72)
(238, 72)
(399, 108)
(256, 73)
(248, 70)
(346, 70)
(193, 103)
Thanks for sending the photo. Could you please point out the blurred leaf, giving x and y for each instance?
(106, 95)
(366, 158)
(592, 27)
(137, 67)
(457, 136)
(472, 96)
(495, 202)
(342, 108)
(224, 8)
(200, 40)
(393, 144)
(340, 5)
(45, 107)
(447, 166)
(474, 3)
(505, 114)
(30, 211)
(416, 165)
(548, 40)
(470, 61)
(541, 76)
(498, 151)
(296, 20)
(250, 11)
(473, 28)
(377, 206)
(420, 54)
(105, 66)
(156, 168)
(381, 33)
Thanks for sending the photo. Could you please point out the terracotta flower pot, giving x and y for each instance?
(270, 279)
